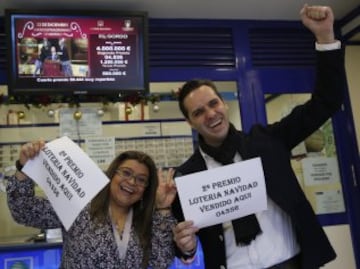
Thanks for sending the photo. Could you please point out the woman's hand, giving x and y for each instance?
(30, 150)
(166, 190)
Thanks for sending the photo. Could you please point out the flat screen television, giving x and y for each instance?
(83, 52)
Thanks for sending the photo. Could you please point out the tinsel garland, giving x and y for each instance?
(39, 101)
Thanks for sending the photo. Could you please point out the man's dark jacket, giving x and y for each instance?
(273, 144)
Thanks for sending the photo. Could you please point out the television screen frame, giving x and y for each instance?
(108, 52)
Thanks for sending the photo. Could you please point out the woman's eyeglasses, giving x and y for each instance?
(128, 175)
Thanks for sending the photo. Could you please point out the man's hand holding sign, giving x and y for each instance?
(219, 195)
(222, 194)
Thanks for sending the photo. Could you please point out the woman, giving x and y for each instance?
(127, 225)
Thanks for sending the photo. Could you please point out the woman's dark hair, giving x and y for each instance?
(190, 86)
(143, 209)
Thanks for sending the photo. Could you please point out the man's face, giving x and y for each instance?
(46, 42)
(207, 114)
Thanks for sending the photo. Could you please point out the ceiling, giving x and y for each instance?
(196, 9)
(199, 9)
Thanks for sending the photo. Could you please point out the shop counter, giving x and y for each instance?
(29, 255)
(44, 255)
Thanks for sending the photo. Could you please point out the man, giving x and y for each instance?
(54, 56)
(65, 58)
(43, 55)
(287, 235)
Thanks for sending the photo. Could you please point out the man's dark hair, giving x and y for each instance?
(190, 86)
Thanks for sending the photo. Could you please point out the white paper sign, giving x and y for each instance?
(329, 201)
(101, 149)
(89, 125)
(69, 178)
(320, 170)
(223, 194)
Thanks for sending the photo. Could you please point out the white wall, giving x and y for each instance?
(352, 64)
(340, 238)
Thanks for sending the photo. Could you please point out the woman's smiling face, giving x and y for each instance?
(125, 191)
